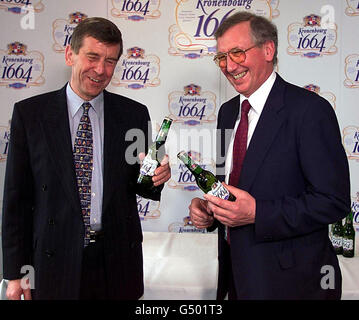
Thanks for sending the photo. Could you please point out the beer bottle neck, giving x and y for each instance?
(195, 168)
(162, 134)
(349, 219)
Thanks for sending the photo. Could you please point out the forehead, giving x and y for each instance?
(238, 36)
(90, 44)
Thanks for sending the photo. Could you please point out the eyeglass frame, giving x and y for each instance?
(217, 61)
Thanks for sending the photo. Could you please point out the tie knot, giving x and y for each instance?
(245, 106)
(86, 106)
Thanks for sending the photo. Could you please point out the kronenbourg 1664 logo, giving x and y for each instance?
(351, 142)
(136, 10)
(192, 36)
(309, 39)
(4, 141)
(181, 176)
(192, 106)
(21, 6)
(185, 226)
(136, 70)
(148, 209)
(62, 30)
(326, 95)
(355, 210)
(21, 68)
(353, 8)
(352, 71)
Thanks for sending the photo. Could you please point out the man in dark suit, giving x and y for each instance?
(70, 207)
(291, 183)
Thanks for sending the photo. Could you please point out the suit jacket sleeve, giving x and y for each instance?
(324, 174)
(18, 202)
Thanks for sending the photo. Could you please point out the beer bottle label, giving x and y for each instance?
(148, 166)
(348, 244)
(337, 241)
(218, 190)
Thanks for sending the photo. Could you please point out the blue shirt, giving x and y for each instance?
(96, 114)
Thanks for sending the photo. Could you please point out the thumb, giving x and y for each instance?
(231, 189)
(141, 156)
(27, 294)
(165, 160)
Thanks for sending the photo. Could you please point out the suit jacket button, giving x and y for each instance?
(44, 187)
(49, 253)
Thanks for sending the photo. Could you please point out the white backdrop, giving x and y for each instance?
(167, 65)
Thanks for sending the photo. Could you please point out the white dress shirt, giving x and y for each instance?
(257, 101)
(96, 114)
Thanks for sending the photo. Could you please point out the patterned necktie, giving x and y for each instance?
(240, 145)
(83, 158)
(239, 151)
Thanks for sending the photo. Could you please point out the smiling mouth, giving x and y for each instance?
(240, 75)
(94, 80)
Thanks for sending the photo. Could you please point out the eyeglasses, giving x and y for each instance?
(237, 55)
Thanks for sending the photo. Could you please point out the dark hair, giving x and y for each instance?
(101, 29)
(262, 29)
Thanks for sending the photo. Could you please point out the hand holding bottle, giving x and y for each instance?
(162, 173)
(151, 165)
(200, 215)
(240, 212)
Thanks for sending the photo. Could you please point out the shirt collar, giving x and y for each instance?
(259, 97)
(74, 102)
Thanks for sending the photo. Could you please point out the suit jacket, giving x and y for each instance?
(296, 169)
(42, 221)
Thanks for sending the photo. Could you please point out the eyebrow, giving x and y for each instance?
(94, 54)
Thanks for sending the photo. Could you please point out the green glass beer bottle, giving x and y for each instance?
(205, 179)
(337, 237)
(348, 237)
(151, 161)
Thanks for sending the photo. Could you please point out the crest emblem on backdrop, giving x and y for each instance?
(192, 106)
(192, 35)
(148, 209)
(326, 95)
(136, 10)
(185, 226)
(4, 142)
(310, 39)
(352, 71)
(182, 178)
(353, 8)
(62, 30)
(351, 142)
(21, 68)
(137, 70)
(22, 6)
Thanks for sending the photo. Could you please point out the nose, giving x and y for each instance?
(231, 65)
(100, 67)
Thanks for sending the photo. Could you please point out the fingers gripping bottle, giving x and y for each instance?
(205, 179)
(151, 162)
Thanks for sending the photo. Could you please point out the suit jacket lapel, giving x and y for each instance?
(55, 125)
(114, 145)
(226, 121)
(267, 127)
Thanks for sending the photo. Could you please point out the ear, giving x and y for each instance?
(69, 56)
(269, 50)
